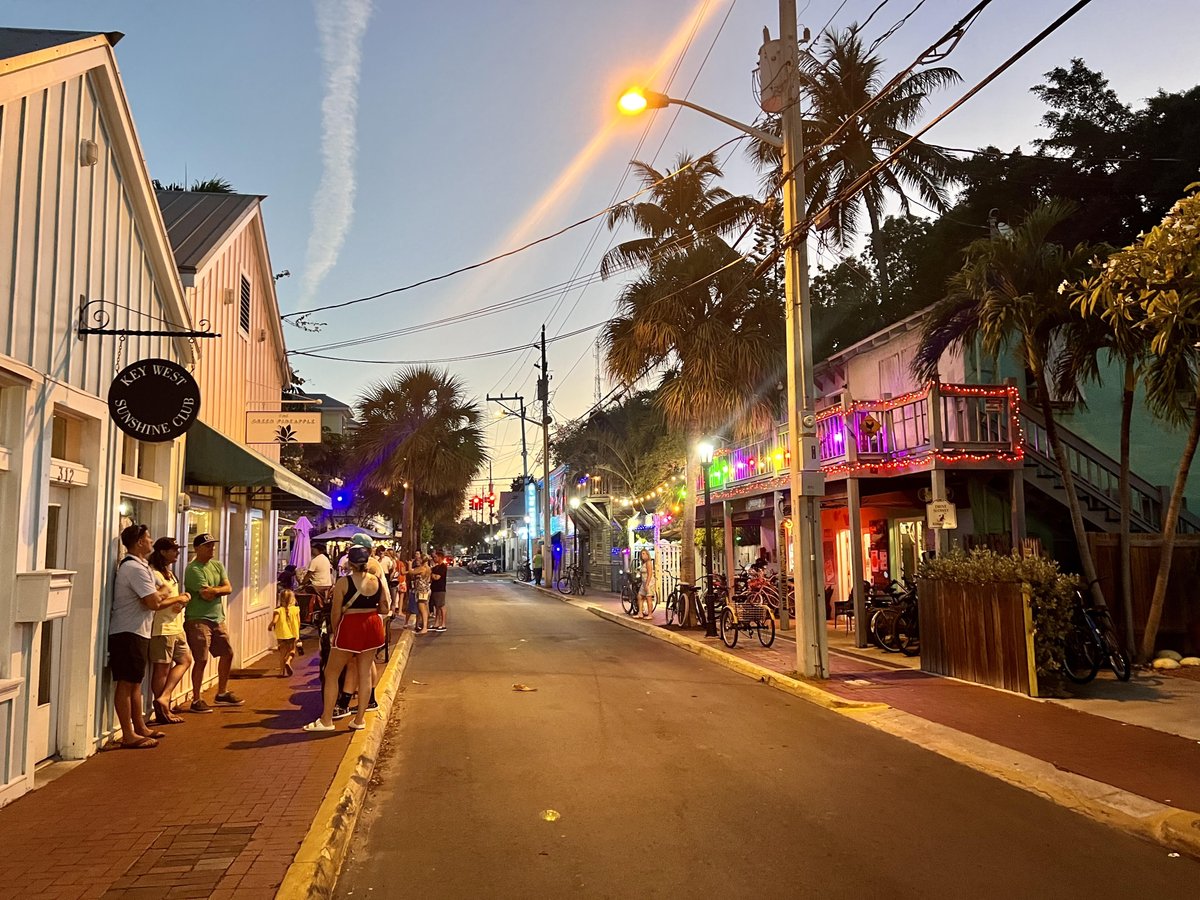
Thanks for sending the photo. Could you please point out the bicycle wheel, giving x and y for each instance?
(580, 586)
(563, 584)
(628, 600)
(728, 628)
(766, 631)
(907, 638)
(672, 607)
(883, 629)
(1081, 662)
(1117, 660)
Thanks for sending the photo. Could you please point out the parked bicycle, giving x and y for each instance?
(753, 617)
(571, 580)
(629, 593)
(694, 597)
(1091, 643)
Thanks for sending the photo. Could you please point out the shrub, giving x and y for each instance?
(1052, 593)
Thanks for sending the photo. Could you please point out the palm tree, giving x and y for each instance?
(1153, 286)
(417, 427)
(1009, 290)
(837, 81)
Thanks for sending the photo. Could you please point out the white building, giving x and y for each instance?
(78, 223)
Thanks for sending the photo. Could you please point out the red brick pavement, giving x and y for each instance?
(1154, 764)
(217, 810)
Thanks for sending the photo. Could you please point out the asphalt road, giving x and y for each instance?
(675, 777)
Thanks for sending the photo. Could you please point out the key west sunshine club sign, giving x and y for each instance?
(154, 400)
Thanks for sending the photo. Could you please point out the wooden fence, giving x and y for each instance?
(1180, 627)
(978, 632)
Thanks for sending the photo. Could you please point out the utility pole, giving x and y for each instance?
(807, 479)
(544, 396)
(524, 463)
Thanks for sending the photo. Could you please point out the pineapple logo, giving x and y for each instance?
(285, 435)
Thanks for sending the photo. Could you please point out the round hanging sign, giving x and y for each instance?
(154, 400)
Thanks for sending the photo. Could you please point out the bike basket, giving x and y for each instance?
(751, 612)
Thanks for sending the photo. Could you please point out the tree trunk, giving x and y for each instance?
(1170, 522)
(881, 266)
(1125, 561)
(409, 543)
(1068, 479)
(687, 555)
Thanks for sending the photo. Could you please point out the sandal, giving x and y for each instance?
(318, 725)
(145, 743)
(164, 716)
(155, 735)
(354, 726)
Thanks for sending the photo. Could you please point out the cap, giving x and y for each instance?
(362, 540)
(358, 556)
(166, 543)
(201, 539)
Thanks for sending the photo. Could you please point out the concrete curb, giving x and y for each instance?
(1176, 829)
(314, 870)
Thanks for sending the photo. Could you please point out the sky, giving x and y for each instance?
(396, 141)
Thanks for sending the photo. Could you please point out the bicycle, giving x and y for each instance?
(1091, 643)
(737, 617)
(682, 597)
(629, 593)
(570, 580)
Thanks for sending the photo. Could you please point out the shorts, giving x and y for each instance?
(207, 638)
(169, 649)
(360, 632)
(127, 656)
(439, 599)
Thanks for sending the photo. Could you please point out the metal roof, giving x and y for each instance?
(197, 222)
(19, 41)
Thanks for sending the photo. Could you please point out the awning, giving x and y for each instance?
(213, 459)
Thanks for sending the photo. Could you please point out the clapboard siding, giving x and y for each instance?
(73, 232)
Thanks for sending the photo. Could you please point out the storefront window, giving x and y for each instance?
(257, 556)
(199, 522)
(128, 511)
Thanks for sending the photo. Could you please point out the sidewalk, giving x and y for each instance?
(1151, 762)
(218, 809)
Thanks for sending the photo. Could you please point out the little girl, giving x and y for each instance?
(286, 625)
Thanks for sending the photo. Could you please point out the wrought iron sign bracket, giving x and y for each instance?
(97, 321)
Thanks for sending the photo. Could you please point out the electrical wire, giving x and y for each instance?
(879, 41)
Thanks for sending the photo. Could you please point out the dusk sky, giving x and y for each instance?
(469, 113)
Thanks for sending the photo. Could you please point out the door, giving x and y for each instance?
(46, 664)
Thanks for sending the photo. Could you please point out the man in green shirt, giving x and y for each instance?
(204, 622)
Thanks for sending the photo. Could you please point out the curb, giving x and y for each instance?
(314, 870)
(1176, 829)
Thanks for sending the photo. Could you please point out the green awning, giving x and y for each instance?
(213, 459)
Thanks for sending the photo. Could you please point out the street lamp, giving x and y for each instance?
(779, 61)
(705, 451)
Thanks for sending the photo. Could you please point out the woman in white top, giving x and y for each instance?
(646, 590)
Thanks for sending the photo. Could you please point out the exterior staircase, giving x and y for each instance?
(1097, 477)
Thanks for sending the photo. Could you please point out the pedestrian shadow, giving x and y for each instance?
(285, 738)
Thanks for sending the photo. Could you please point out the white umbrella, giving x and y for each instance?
(301, 547)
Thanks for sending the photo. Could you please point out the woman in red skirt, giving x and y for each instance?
(359, 601)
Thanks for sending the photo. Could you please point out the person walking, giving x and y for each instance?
(647, 590)
(359, 602)
(537, 566)
(422, 576)
(169, 653)
(207, 583)
(285, 623)
(437, 589)
(135, 600)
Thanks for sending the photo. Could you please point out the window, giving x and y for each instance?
(244, 309)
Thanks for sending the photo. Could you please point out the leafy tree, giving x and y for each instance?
(1008, 291)
(214, 185)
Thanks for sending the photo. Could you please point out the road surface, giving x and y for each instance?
(638, 770)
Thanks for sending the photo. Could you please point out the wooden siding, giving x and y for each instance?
(977, 632)
(72, 232)
(239, 368)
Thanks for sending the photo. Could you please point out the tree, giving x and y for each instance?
(1153, 286)
(418, 428)
(839, 79)
(214, 185)
(1008, 290)
(694, 313)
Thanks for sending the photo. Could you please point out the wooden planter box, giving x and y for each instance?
(978, 632)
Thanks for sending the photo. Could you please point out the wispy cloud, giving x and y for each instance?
(341, 25)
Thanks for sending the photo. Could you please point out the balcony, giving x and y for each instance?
(952, 425)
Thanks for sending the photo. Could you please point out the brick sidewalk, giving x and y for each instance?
(218, 809)
(1154, 764)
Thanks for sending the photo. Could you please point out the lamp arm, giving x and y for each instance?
(765, 136)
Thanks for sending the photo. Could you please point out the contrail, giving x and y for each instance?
(341, 25)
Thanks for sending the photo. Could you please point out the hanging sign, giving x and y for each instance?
(283, 428)
(154, 400)
(941, 514)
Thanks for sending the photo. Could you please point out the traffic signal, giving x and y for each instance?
(491, 498)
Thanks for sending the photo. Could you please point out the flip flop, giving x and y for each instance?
(318, 725)
(155, 735)
(145, 743)
(354, 726)
(164, 716)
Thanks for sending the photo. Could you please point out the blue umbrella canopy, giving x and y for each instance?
(345, 532)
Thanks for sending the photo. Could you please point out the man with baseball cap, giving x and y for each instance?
(206, 581)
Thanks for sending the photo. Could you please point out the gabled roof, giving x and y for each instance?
(197, 222)
(328, 403)
(20, 41)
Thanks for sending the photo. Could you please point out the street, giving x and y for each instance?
(671, 774)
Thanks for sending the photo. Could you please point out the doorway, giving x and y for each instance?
(46, 663)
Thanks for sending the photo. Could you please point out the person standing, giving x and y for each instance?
(359, 602)
(285, 623)
(421, 575)
(135, 600)
(204, 623)
(537, 566)
(169, 653)
(646, 590)
(437, 590)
